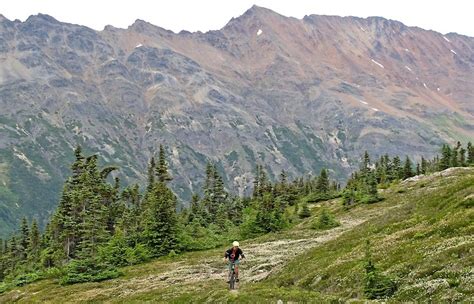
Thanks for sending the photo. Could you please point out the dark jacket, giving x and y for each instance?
(234, 255)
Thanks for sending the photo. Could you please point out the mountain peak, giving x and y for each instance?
(143, 26)
(41, 18)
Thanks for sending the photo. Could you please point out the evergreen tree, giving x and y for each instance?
(34, 242)
(424, 166)
(366, 163)
(162, 169)
(160, 220)
(454, 155)
(445, 161)
(151, 174)
(24, 237)
(407, 168)
(372, 188)
(462, 157)
(305, 212)
(470, 154)
(397, 169)
(92, 228)
(322, 184)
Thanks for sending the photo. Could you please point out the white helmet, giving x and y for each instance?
(235, 244)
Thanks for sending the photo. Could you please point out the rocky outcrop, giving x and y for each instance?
(292, 94)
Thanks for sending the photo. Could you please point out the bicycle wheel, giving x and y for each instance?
(232, 281)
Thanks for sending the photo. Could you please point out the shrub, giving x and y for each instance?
(88, 270)
(325, 221)
(26, 278)
(305, 212)
(377, 285)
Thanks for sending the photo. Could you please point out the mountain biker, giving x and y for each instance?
(233, 256)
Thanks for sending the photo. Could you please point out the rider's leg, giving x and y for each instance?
(236, 271)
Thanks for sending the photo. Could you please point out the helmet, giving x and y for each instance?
(235, 244)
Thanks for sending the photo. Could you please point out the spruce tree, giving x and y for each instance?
(424, 166)
(34, 242)
(162, 169)
(366, 163)
(407, 168)
(305, 212)
(470, 154)
(24, 238)
(322, 184)
(160, 220)
(462, 157)
(151, 173)
(445, 161)
(397, 169)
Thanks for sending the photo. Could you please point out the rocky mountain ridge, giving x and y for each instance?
(293, 94)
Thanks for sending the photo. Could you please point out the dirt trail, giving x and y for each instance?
(263, 259)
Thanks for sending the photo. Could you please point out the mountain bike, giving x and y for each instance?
(232, 277)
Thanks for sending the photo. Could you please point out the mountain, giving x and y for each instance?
(421, 236)
(292, 94)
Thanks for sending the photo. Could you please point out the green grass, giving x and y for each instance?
(421, 237)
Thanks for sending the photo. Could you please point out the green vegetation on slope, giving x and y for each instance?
(421, 237)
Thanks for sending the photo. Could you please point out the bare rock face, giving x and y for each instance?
(292, 94)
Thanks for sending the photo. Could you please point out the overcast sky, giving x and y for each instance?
(193, 15)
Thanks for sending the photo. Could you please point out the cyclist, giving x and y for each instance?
(233, 256)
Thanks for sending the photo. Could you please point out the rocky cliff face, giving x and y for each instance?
(291, 94)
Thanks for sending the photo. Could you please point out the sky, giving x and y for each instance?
(204, 15)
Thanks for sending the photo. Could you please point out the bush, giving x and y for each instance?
(118, 253)
(377, 285)
(316, 197)
(88, 270)
(325, 221)
(26, 278)
(305, 212)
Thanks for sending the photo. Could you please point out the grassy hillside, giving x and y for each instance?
(422, 236)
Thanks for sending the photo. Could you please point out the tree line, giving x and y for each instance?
(99, 225)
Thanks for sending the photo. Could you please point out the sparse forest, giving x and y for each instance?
(100, 226)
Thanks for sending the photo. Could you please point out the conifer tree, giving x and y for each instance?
(24, 237)
(397, 169)
(424, 166)
(322, 184)
(445, 161)
(407, 168)
(470, 154)
(160, 220)
(366, 163)
(34, 242)
(305, 212)
(162, 169)
(151, 173)
(462, 157)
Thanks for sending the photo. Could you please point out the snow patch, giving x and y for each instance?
(138, 45)
(424, 84)
(408, 68)
(375, 109)
(362, 29)
(438, 89)
(452, 51)
(446, 39)
(364, 102)
(378, 63)
(407, 50)
(259, 32)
